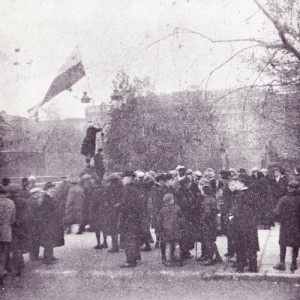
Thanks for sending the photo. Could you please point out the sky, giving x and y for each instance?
(117, 34)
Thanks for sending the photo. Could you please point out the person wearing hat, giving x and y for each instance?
(226, 199)
(74, 205)
(287, 212)
(7, 219)
(244, 222)
(52, 234)
(170, 223)
(157, 195)
(278, 185)
(34, 217)
(187, 203)
(113, 192)
(131, 221)
(144, 185)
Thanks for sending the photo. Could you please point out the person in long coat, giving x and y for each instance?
(209, 226)
(89, 143)
(52, 233)
(34, 222)
(96, 214)
(287, 213)
(113, 192)
(186, 201)
(131, 220)
(170, 222)
(7, 219)
(145, 185)
(61, 195)
(74, 205)
(20, 240)
(157, 194)
(245, 213)
(278, 185)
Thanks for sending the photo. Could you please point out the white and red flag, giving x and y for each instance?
(71, 72)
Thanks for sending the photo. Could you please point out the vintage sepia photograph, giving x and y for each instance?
(149, 149)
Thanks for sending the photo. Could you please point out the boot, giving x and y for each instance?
(294, 266)
(280, 266)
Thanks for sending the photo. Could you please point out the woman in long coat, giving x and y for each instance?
(112, 196)
(52, 233)
(288, 215)
(74, 205)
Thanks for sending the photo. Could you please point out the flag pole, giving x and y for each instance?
(87, 80)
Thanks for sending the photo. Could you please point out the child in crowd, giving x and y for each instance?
(170, 227)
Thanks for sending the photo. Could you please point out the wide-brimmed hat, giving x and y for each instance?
(49, 185)
(294, 184)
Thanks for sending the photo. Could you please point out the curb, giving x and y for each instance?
(292, 278)
(258, 277)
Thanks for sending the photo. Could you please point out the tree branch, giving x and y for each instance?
(281, 32)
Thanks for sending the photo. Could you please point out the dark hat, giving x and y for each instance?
(160, 176)
(129, 174)
(243, 178)
(242, 171)
(49, 185)
(168, 176)
(294, 184)
(225, 174)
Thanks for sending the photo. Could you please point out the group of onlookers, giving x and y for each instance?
(183, 206)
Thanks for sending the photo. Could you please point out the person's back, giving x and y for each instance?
(170, 222)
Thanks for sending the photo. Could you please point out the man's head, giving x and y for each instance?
(25, 182)
(49, 188)
(6, 181)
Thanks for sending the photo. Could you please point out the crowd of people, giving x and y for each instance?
(183, 206)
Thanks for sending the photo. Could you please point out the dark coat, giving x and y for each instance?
(131, 217)
(157, 195)
(189, 206)
(52, 232)
(89, 143)
(74, 205)
(209, 222)
(61, 195)
(34, 219)
(144, 189)
(96, 214)
(170, 223)
(113, 196)
(245, 212)
(288, 215)
(278, 189)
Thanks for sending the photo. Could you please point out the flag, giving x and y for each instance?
(71, 72)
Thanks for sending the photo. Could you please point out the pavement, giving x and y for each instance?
(85, 273)
(79, 259)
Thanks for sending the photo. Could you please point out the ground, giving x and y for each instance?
(85, 273)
